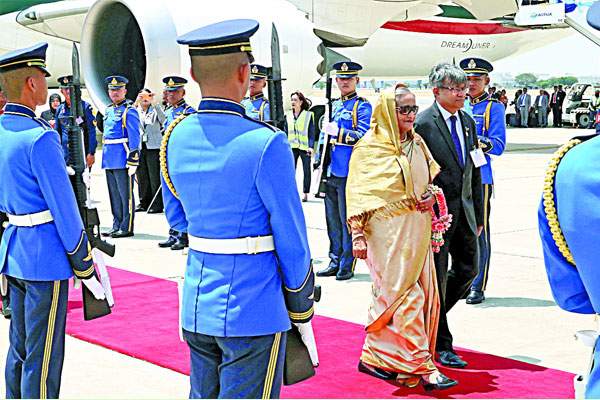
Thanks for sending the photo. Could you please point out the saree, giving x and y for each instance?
(385, 180)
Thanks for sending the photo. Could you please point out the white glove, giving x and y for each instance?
(86, 177)
(331, 128)
(131, 169)
(70, 171)
(95, 287)
(308, 337)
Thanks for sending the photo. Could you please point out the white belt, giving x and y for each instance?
(30, 220)
(246, 245)
(115, 141)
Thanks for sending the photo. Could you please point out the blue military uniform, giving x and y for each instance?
(490, 122)
(43, 245)
(87, 125)
(257, 106)
(568, 224)
(226, 181)
(178, 239)
(352, 115)
(120, 150)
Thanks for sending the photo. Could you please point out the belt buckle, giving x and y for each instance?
(249, 246)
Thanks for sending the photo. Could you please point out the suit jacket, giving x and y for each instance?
(541, 101)
(527, 102)
(461, 185)
(559, 99)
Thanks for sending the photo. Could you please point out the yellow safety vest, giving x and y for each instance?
(298, 129)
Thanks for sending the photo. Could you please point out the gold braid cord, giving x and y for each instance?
(163, 154)
(549, 204)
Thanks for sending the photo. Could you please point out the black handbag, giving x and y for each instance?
(298, 365)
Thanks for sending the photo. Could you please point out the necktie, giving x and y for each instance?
(523, 100)
(554, 97)
(456, 140)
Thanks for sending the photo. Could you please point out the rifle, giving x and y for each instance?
(274, 82)
(93, 308)
(325, 148)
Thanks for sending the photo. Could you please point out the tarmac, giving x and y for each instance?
(519, 319)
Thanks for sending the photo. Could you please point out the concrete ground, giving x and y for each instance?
(519, 318)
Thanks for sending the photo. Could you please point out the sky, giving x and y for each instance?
(574, 55)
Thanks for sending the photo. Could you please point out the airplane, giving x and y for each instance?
(136, 38)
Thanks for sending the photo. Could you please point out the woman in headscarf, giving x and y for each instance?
(53, 102)
(388, 202)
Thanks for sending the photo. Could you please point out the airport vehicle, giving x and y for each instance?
(575, 106)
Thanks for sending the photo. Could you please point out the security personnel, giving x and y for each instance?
(257, 106)
(44, 244)
(120, 156)
(351, 118)
(490, 122)
(175, 91)
(88, 124)
(227, 183)
(568, 224)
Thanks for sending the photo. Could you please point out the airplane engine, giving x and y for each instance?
(137, 39)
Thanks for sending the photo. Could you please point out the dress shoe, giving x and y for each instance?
(140, 208)
(437, 381)
(376, 372)
(329, 271)
(154, 211)
(168, 243)
(475, 297)
(179, 245)
(344, 275)
(121, 234)
(109, 233)
(448, 358)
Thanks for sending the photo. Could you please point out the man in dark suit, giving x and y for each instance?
(556, 101)
(451, 136)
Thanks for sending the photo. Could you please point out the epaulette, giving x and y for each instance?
(265, 124)
(45, 124)
(362, 99)
(494, 100)
(549, 200)
(163, 153)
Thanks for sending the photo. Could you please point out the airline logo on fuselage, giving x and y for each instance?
(466, 45)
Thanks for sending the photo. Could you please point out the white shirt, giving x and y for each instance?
(446, 115)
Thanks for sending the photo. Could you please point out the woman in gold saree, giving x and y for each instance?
(388, 207)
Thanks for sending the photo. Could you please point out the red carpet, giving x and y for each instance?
(144, 325)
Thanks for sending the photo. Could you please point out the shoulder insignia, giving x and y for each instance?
(45, 124)
(550, 204)
(266, 125)
(163, 153)
(362, 99)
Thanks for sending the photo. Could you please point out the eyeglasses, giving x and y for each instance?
(405, 110)
(456, 90)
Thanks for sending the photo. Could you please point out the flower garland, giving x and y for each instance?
(439, 225)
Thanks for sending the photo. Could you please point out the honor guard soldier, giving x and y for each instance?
(351, 118)
(490, 122)
(88, 125)
(227, 183)
(174, 86)
(120, 156)
(45, 243)
(568, 224)
(257, 106)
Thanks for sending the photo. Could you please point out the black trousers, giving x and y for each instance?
(148, 174)
(556, 116)
(305, 157)
(461, 244)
